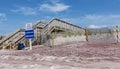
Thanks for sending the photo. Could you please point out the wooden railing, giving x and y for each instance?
(10, 36)
(12, 40)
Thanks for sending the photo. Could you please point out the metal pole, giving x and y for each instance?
(30, 43)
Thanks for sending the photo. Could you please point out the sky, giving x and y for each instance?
(14, 14)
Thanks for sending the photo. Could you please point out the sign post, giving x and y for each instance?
(30, 43)
(29, 34)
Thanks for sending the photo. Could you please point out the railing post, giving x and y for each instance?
(117, 35)
(53, 37)
(86, 34)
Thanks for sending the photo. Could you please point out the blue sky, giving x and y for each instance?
(14, 14)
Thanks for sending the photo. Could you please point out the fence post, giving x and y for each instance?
(53, 37)
(117, 34)
(86, 34)
(52, 44)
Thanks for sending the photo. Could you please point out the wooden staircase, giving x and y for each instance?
(12, 40)
(45, 29)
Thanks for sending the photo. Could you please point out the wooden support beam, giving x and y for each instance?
(117, 31)
(86, 34)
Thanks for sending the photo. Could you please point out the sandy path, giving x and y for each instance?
(75, 56)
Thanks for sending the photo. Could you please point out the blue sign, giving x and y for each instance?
(29, 34)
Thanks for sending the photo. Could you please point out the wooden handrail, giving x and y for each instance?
(5, 39)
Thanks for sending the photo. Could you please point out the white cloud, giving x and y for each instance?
(93, 17)
(54, 1)
(101, 19)
(2, 17)
(95, 20)
(25, 10)
(56, 6)
(53, 6)
(2, 14)
(96, 26)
